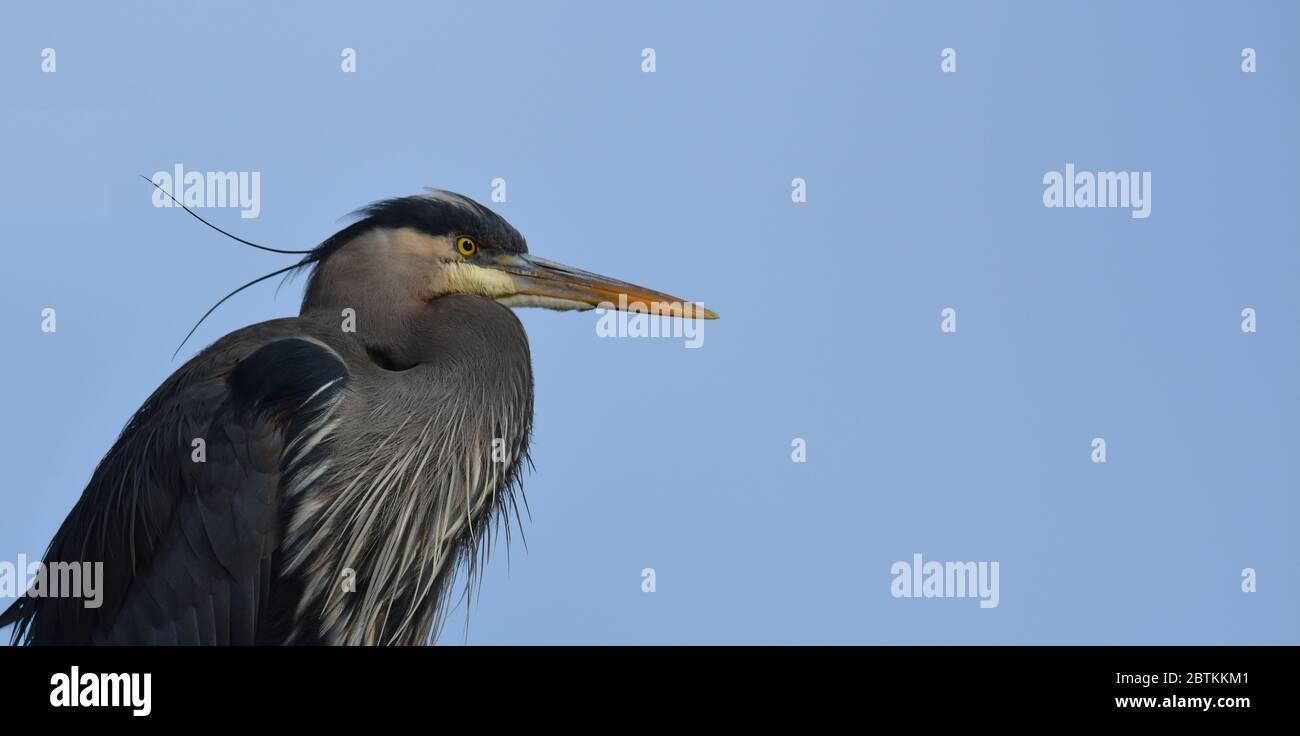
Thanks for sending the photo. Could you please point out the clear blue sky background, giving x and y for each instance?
(924, 192)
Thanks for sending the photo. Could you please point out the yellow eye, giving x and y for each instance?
(466, 246)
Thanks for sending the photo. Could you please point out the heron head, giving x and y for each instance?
(441, 243)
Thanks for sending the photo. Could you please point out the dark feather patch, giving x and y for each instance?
(287, 379)
(189, 547)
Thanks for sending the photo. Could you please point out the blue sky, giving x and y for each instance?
(924, 192)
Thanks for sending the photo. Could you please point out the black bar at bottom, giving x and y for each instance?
(944, 682)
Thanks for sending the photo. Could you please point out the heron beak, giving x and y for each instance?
(541, 283)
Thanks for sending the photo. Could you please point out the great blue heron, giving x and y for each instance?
(355, 457)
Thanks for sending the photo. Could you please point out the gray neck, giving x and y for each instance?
(431, 457)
